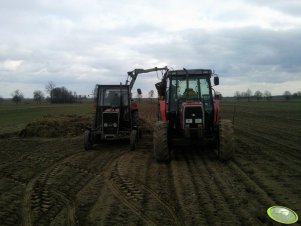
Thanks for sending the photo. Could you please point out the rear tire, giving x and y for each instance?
(135, 119)
(226, 147)
(133, 139)
(160, 136)
(87, 140)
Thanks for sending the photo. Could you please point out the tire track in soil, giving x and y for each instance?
(70, 206)
(75, 180)
(28, 194)
(204, 178)
(159, 178)
(131, 193)
(195, 203)
(145, 171)
(162, 179)
(46, 201)
(90, 193)
(225, 182)
(112, 213)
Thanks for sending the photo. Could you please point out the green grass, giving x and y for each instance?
(14, 117)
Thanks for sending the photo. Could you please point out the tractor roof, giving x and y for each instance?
(112, 86)
(204, 72)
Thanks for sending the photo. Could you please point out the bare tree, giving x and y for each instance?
(17, 96)
(139, 96)
(258, 95)
(248, 94)
(62, 95)
(296, 94)
(267, 95)
(38, 96)
(49, 87)
(151, 94)
(237, 95)
(287, 95)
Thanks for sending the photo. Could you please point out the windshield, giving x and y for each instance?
(113, 97)
(193, 88)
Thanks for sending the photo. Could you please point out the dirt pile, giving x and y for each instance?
(56, 126)
(145, 125)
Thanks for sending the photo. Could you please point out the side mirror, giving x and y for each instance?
(139, 91)
(216, 81)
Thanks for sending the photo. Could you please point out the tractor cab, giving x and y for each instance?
(189, 89)
(190, 114)
(189, 102)
(112, 110)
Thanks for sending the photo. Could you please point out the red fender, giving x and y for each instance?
(162, 105)
(134, 106)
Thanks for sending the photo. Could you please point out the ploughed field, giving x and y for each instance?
(51, 180)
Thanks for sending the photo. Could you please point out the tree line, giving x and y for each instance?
(266, 95)
(56, 95)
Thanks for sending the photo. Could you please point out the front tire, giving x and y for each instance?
(87, 140)
(133, 139)
(160, 136)
(226, 146)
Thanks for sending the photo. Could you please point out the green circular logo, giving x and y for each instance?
(282, 214)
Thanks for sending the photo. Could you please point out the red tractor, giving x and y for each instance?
(189, 113)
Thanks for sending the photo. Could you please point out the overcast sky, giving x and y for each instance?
(78, 44)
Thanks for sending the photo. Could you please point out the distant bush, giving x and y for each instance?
(62, 95)
(17, 96)
(38, 96)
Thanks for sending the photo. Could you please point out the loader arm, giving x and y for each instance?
(132, 75)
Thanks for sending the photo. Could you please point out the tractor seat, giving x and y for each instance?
(189, 92)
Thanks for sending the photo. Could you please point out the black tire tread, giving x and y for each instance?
(133, 139)
(160, 141)
(87, 140)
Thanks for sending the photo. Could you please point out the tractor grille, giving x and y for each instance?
(194, 115)
(193, 112)
(110, 122)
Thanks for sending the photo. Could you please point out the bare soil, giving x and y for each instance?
(53, 181)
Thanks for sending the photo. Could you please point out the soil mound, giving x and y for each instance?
(57, 126)
(145, 125)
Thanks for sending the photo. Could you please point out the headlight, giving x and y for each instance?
(188, 120)
(105, 124)
(115, 124)
(198, 120)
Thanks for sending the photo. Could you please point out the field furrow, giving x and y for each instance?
(53, 181)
